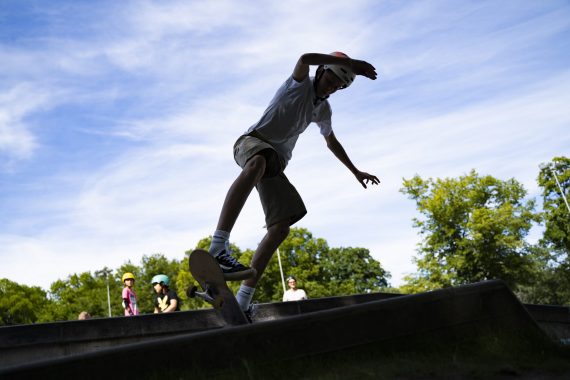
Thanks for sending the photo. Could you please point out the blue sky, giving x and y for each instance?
(117, 118)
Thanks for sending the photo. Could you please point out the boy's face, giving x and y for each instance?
(328, 84)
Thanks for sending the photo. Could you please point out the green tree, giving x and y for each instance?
(20, 304)
(352, 271)
(87, 291)
(551, 284)
(473, 229)
(84, 291)
(321, 271)
(299, 257)
(555, 211)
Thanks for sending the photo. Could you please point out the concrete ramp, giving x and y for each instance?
(27, 344)
(449, 315)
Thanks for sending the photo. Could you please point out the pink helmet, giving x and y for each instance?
(344, 73)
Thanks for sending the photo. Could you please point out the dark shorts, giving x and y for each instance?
(279, 198)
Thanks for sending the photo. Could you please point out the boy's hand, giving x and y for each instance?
(363, 68)
(365, 178)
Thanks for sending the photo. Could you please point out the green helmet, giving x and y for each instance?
(160, 279)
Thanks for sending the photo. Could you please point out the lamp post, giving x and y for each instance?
(281, 270)
(106, 272)
(558, 183)
(560, 188)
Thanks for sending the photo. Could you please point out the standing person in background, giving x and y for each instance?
(166, 300)
(294, 294)
(129, 296)
(84, 316)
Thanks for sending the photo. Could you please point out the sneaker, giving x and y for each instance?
(231, 268)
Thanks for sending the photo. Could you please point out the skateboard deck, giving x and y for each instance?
(215, 291)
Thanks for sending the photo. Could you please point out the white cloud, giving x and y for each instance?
(170, 86)
(17, 140)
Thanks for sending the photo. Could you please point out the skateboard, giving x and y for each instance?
(215, 291)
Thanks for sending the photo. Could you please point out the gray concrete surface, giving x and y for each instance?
(554, 320)
(29, 343)
(450, 315)
(26, 344)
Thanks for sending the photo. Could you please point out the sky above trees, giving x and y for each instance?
(117, 119)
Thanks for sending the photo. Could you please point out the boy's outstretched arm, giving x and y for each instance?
(364, 178)
(315, 59)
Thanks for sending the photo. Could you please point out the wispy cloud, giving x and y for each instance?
(136, 105)
(17, 105)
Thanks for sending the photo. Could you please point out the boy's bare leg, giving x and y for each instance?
(239, 192)
(236, 197)
(274, 237)
(271, 241)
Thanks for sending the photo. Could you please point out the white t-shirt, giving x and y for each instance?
(289, 113)
(294, 295)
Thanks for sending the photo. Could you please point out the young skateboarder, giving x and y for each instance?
(166, 300)
(130, 299)
(264, 150)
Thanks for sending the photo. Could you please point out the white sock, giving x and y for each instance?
(244, 296)
(219, 241)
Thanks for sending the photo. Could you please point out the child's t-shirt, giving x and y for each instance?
(131, 303)
(294, 295)
(162, 301)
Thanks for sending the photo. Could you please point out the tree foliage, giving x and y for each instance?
(320, 270)
(555, 212)
(552, 280)
(20, 304)
(473, 229)
(83, 292)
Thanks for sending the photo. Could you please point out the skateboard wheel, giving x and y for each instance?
(191, 291)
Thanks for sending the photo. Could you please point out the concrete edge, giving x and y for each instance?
(455, 313)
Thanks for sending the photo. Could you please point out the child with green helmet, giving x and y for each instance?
(166, 300)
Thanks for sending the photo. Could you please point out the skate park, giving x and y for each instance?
(185, 340)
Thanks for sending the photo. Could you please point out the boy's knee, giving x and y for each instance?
(279, 230)
(267, 160)
(256, 165)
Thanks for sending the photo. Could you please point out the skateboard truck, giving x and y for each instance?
(213, 287)
(206, 295)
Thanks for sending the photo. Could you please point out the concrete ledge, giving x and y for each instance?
(450, 315)
(277, 310)
(29, 343)
(554, 320)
